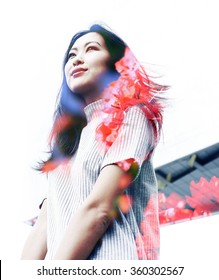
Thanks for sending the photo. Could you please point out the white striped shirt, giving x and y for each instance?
(71, 184)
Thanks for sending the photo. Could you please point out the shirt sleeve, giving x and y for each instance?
(133, 140)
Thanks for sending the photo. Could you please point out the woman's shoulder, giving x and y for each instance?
(135, 111)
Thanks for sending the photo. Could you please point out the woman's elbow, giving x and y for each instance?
(103, 219)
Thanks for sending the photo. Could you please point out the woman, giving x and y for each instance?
(107, 124)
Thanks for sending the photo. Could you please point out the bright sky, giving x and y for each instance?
(177, 39)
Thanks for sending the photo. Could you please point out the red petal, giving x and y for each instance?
(124, 203)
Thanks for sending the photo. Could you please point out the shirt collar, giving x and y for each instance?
(94, 109)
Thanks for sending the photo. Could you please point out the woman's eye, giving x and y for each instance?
(71, 55)
(91, 48)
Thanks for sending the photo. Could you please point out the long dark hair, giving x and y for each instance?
(69, 118)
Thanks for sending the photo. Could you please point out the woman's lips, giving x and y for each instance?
(78, 71)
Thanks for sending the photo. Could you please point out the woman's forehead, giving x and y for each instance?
(91, 37)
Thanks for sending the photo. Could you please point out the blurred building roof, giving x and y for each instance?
(177, 175)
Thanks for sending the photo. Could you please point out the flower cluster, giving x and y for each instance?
(204, 200)
(133, 87)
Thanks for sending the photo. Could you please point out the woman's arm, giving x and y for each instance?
(90, 222)
(35, 247)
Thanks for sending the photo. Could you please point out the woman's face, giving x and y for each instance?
(87, 63)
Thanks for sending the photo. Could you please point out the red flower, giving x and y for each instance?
(125, 181)
(172, 208)
(149, 236)
(204, 196)
(53, 164)
(124, 203)
(148, 246)
(172, 215)
(126, 164)
(172, 201)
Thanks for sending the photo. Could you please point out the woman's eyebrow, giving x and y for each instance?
(75, 49)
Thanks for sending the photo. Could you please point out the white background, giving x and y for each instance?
(177, 39)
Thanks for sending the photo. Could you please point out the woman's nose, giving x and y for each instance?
(78, 60)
